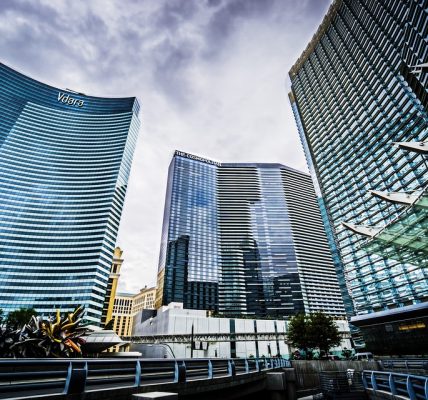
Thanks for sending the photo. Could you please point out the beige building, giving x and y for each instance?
(127, 305)
(112, 286)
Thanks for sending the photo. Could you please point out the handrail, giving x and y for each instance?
(26, 377)
(416, 363)
(413, 387)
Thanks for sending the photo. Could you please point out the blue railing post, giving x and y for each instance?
(137, 373)
(76, 378)
(364, 379)
(391, 382)
(231, 369)
(180, 372)
(257, 365)
(247, 367)
(373, 380)
(210, 370)
(410, 390)
(426, 388)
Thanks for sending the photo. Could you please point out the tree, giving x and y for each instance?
(324, 333)
(1, 317)
(18, 318)
(309, 332)
(298, 334)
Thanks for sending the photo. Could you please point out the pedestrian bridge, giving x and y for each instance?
(120, 378)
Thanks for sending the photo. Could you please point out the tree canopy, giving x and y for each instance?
(18, 318)
(313, 331)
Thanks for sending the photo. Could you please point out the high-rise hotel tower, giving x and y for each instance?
(244, 239)
(360, 86)
(64, 162)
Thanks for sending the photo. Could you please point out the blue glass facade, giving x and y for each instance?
(189, 246)
(244, 239)
(65, 161)
(355, 93)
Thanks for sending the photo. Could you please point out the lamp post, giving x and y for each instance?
(192, 343)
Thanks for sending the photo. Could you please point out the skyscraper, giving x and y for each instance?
(65, 161)
(244, 239)
(360, 86)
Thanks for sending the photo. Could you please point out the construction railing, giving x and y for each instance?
(29, 377)
(413, 387)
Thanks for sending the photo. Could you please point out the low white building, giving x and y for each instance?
(174, 320)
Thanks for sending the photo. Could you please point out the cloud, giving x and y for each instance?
(210, 76)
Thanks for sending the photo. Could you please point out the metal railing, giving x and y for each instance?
(213, 337)
(29, 377)
(413, 387)
(411, 363)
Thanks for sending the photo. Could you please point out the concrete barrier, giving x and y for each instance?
(155, 395)
(307, 372)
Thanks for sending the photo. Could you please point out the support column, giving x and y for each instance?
(276, 385)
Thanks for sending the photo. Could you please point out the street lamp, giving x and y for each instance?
(192, 342)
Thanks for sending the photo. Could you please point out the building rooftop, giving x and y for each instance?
(322, 29)
(194, 157)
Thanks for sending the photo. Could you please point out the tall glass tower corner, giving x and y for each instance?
(65, 161)
(189, 246)
(359, 87)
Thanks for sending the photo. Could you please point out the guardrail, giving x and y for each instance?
(413, 387)
(29, 377)
(417, 363)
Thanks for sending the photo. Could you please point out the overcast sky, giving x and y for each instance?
(210, 75)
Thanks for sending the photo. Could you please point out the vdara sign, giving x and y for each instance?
(71, 101)
(196, 158)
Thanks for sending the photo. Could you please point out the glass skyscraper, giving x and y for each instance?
(65, 161)
(244, 239)
(360, 86)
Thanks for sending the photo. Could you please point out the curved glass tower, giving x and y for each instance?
(64, 166)
(244, 239)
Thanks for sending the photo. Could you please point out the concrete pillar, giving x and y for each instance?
(291, 388)
(155, 395)
(276, 385)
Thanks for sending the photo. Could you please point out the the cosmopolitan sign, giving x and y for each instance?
(196, 158)
(71, 101)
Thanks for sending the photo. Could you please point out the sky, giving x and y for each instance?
(211, 77)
